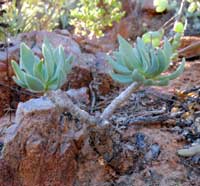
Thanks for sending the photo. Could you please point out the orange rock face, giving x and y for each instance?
(38, 149)
(192, 41)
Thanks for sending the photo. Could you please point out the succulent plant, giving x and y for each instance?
(143, 63)
(42, 75)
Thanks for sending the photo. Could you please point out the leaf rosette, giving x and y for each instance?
(143, 63)
(43, 75)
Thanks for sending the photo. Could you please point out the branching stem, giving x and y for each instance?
(176, 17)
(119, 100)
(64, 102)
(180, 12)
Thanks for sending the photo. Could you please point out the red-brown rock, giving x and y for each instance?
(6, 175)
(187, 41)
(3, 67)
(38, 148)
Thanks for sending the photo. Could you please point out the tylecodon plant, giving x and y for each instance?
(140, 65)
(42, 75)
(143, 63)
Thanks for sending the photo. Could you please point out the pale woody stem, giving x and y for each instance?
(109, 110)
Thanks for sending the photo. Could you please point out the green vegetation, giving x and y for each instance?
(178, 27)
(153, 37)
(191, 10)
(92, 17)
(28, 15)
(42, 75)
(161, 5)
(176, 24)
(193, 14)
(88, 17)
(143, 63)
(194, 6)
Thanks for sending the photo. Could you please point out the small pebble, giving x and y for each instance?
(196, 159)
(1, 146)
(184, 123)
(140, 141)
(153, 153)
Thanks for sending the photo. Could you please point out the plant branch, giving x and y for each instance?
(153, 118)
(109, 110)
(180, 10)
(168, 23)
(175, 17)
(63, 101)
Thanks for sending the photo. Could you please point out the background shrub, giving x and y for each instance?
(92, 17)
(28, 15)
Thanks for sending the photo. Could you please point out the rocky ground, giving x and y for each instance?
(148, 134)
(38, 147)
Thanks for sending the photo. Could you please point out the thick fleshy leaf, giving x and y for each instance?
(48, 60)
(59, 57)
(41, 76)
(119, 58)
(33, 83)
(163, 82)
(66, 62)
(143, 54)
(149, 62)
(18, 72)
(19, 82)
(167, 48)
(53, 84)
(148, 82)
(48, 44)
(174, 74)
(154, 68)
(27, 58)
(60, 74)
(126, 50)
(62, 78)
(162, 62)
(124, 79)
(118, 68)
(136, 76)
(164, 59)
(61, 54)
(38, 71)
(139, 63)
(37, 59)
(151, 82)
